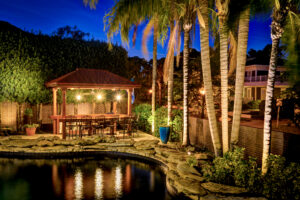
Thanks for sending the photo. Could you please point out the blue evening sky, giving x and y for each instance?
(48, 15)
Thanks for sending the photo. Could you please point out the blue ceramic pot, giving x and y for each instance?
(164, 133)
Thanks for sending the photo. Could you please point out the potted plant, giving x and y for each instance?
(31, 128)
(164, 133)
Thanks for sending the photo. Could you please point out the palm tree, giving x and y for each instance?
(280, 13)
(222, 7)
(187, 26)
(206, 71)
(240, 73)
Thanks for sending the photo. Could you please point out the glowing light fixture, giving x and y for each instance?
(118, 97)
(150, 91)
(202, 91)
(99, 96)
(78, 97)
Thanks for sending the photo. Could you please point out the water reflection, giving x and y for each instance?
(78, 184)
(118, 182)
(98, 184)
(84, 179)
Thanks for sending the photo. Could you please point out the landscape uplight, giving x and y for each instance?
(202, 91)
(78, 97)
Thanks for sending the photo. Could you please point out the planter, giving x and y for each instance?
(164, 133)
(30, 131)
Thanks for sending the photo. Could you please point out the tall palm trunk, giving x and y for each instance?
(279, 17)
(268, 104)
(240, 74)
(224, 84)
(187, 27)
(154, 73)
(206, 71)
(170, 83)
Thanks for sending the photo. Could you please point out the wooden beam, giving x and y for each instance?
(129, 92)
(54, 110)
(63, 113)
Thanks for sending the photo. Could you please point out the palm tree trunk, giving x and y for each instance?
(170, 83)
(240, 75)
(268, 104)
(206, 71)
(185, 137)
(224, 85)
(154, 68)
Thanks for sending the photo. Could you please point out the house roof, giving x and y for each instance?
(92, 78)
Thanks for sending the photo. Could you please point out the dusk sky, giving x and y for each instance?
(48, 15)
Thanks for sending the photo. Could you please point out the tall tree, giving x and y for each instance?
(206, 71)
(187, 26)
(280, 13)
(222, 7)
(240, 73)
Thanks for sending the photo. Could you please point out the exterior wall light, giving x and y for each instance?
(202, 91)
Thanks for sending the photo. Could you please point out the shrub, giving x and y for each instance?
(233, 169)
(192, 161)
(143, 113)
(161, 119)
(282, 180)
(254, 104)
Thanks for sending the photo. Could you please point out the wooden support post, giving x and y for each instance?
(54, 111)
(129, 92)
(64, 111)
(115, 107)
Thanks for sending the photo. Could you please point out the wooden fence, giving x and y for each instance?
(250, 138)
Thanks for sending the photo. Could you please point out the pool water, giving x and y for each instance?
(83, 178)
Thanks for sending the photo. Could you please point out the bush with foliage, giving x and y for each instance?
(144, 116)
(161, 119)
(233, 169)
(282, 180)
(143, 113)
(254, 104)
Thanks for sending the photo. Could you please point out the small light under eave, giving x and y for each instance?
(99, 96)
(78, 97)
(150, 91)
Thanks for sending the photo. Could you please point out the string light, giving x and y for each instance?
(202, 91)
(118, 97)
(78, 97)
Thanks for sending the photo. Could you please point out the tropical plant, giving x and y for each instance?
(207, 81)
(280, 14)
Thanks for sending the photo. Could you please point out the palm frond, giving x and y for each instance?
(146, 34)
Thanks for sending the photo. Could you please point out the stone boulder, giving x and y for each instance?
(184, 169)
(45, 143)
(223, 189)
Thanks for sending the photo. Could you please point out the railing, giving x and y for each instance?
(264, 78)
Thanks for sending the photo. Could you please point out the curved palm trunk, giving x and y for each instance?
(268, 105)
(224, 85)
(279, 17)
(240, 75)
(170, 84)
(206, 71)
(187, 28)
(154, 73)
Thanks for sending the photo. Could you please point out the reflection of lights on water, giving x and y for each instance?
(78, 184)
(152, 181)
(118, 182)
(98, 184)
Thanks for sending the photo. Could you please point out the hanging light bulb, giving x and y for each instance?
(99, 96)
(78, 97)
(118, 97)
